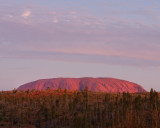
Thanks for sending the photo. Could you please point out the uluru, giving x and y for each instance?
(109, 85)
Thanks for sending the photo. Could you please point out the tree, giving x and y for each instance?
(48, 88)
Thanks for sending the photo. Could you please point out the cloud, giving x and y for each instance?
(10, 16)
(26, 14)
(55, 20)
(87, 58)
(73, 12)
(53, 13)
(116, 34)
(127, 43)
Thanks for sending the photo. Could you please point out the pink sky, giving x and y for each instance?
(115, 34)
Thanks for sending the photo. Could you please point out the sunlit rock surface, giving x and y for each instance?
(94, 84)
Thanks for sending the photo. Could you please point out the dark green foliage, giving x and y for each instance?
(27, 91)
(78, 109)
(1, 118)
(48, 88)
(57, 103)
(153, 98)
(14, 91)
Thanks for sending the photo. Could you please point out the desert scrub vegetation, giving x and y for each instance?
(78, 109)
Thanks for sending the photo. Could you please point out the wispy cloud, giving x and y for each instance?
(26, 14)
(55, 20)
(127, 35)
(121, 46)
(73, 12)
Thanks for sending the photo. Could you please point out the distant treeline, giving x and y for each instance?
(78, 109)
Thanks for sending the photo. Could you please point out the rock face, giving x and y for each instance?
(94, 84)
